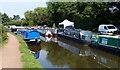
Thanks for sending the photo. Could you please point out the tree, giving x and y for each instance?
(30, 17)
(5, 18)
(85, 15)
(58, 11)
(24, 22)
(0, 17)
(16, 17)
(31, 23)
(42, 15)
(39, 16)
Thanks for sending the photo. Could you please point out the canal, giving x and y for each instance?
(63, 53)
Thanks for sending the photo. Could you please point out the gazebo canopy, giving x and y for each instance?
(67, 23)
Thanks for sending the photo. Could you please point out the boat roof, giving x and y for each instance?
(110, 36)
(27, 30)
(19, 27)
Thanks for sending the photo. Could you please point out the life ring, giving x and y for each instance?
(48, 33)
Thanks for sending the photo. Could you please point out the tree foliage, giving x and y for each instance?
(39, 16)
(16, 17)
(12, 23)
(85, 15)
(5, 18)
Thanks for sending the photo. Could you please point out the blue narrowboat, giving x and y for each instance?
(29, 35)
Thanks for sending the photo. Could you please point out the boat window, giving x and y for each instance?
(111, 27)
(118, 43)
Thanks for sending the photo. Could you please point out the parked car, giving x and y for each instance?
(107, 28)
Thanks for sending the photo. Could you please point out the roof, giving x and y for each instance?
(66, 22)
(106, 25)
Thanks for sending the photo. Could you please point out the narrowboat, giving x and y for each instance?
(41, 31)
(76, 34)
(86, 35)
(107, 42)
(17, 28)
(54, 31)
(29, 35)
(45, 32)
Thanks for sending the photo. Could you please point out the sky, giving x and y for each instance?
(18, 7)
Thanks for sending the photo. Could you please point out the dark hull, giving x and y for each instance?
(82, 42)
(111, 50)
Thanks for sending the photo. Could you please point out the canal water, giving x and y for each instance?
(62, 53)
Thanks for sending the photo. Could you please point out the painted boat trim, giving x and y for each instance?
(109, 46)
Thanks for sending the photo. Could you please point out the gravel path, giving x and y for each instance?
(10, 53)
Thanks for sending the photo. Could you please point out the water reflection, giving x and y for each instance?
(105, 59)
(34, 48)
(78, 51)
(66, 54)
(59, 57)
(49, 39)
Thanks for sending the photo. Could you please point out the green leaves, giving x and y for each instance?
(5, 18)
(16, 17)
(12, 23)
(85, 15)
(37, 17)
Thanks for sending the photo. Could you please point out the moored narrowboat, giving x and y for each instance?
(45, 32)
(107, 42)
(29, 35)
(54, 31)
(111, 41)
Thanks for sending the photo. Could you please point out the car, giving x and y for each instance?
(107, 28)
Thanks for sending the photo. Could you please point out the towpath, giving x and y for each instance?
(10, 54)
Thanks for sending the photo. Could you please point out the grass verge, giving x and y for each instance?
(3, 35)
(28, 60)
(3, 43)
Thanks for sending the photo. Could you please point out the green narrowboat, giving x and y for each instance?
(111, 41)
(108, 43)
